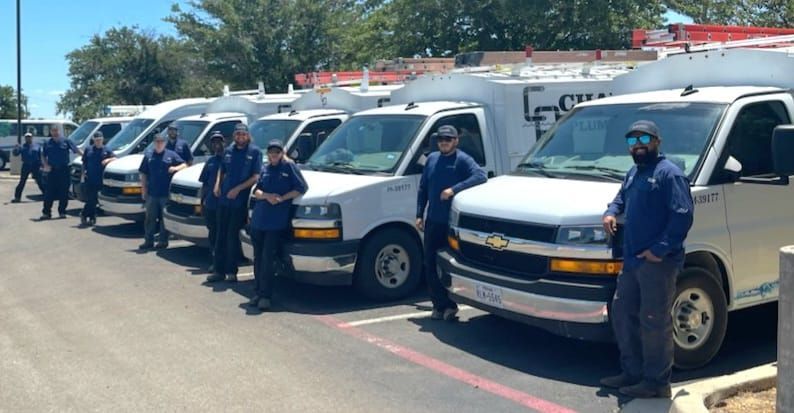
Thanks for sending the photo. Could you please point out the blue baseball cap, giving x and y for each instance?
(448, 131)
(644, 126)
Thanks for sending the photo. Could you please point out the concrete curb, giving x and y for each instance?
(695, 397)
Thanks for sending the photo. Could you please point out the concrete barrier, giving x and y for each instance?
(785, 333)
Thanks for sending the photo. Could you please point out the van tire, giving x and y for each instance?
(700, 318)
(389, 265)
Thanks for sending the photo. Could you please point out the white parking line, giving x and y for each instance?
(418, 314)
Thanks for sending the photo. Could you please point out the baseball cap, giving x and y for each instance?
(644, 126)
(172, 127)
(241, 127)
(275, 143)
(99, 134)
(216, 135)
(159, 136)
(448, 131)
(28, 134)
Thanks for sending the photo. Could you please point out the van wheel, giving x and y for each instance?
(700, 318)
(389, 266)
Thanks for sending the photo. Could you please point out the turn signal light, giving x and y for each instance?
(132, 190)
(197, 210)
(453, 243)
(331, 233)
(587, 267)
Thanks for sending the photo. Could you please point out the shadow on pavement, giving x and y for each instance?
(195, 258)
(127, 230)
(751, 341)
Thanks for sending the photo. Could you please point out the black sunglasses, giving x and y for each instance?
(445, 138)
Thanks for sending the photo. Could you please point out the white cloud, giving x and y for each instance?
(34, 106)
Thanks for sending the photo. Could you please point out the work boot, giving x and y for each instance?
(451, 314)
(61, 215)
(437, 315)
(15, 201)
(232, 278)
(45, 217)
(254, 300)
(215, 278)
(647, 390)
(161, 246)
(91, 221)
(146, 246)
(621, 380)
(263, 304)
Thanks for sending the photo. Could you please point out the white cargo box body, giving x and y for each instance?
(377, 247)
(543, 223)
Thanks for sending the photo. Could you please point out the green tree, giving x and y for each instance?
(128, 66)
(8, 103)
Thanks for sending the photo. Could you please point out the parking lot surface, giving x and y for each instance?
(89, 323)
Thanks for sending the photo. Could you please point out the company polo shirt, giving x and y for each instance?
(238, 165)
(155, 167)
(277, 179)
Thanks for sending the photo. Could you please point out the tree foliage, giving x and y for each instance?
(8, 103)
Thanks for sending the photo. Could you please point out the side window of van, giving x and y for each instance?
(750, 140)
(225, 128)
(470, 140)
(109, 130)
(150, 136)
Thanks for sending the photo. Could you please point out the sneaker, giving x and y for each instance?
(45, 217)
(146, 246)
(215, 278)
(621, 380)
(647, 390)
(263, 304)
(161, 245)
(232, 278)
(451, 314)
(437, 315)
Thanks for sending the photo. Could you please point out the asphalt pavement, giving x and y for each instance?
(89, 323)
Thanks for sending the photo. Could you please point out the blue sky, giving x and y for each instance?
(53, 28)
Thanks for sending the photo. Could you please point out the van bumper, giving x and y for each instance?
(125, 207)
(322, 263)
(558, 307)
(191, 229)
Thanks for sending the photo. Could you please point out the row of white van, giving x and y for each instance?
(528, 244)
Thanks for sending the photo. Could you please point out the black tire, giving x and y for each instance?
(378, 285)
(698, 281)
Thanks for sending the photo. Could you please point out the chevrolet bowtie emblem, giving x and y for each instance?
(497, 242)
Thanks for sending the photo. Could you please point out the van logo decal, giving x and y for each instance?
(497, 242)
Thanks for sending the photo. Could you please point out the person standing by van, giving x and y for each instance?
(31, 164)
(239, 171)
(279, 183)
(157, 168)
(95, 158)
(209, 202)
(657, 204)
(446, 173)
(55, 162)
(180, 146)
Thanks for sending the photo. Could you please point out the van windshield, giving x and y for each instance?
(188, 131)
(129, 134)
(264, 130)
(367, 144)
(81, 134)
(591, 140)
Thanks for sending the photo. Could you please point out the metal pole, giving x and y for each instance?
(19, 79)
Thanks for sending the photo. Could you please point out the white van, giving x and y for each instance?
(121, 186)
(530, 246)
(315, 114)
(355, 224)
(40, 128)
(82, 138)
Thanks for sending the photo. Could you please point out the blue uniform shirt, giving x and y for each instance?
(30, 153)
(155, 167)
(238, 166)
(207, 178)
(92, 164)
(658, 208)
(57, 152)
(181, 148)
(457, 170)
(276, 179)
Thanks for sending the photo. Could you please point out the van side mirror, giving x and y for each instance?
(783, 150)
(303, 147)
(733, 169)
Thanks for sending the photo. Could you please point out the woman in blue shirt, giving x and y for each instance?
(279, 183)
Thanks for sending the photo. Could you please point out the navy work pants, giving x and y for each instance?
(642, 320)
(153, 222)
(267, 246)
(28, 170)
(230, 220)
(91, 199)
(57, 189)
(436, 239)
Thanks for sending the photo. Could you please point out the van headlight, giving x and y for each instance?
(454, 217)
(584, 235)
(327, 211)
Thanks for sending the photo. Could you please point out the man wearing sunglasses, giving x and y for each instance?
(657, 205)
(446, 173)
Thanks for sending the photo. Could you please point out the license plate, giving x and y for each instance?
(489, 295)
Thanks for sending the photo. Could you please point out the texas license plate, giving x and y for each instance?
(489, 295)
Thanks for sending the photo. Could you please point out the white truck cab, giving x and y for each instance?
(530, 246)
(355, 224)
(121, 187)
(315, 114)
(82, 138)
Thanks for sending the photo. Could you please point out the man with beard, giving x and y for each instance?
(180, 146)
(657, 204)
(446, 173)
(209, 202)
